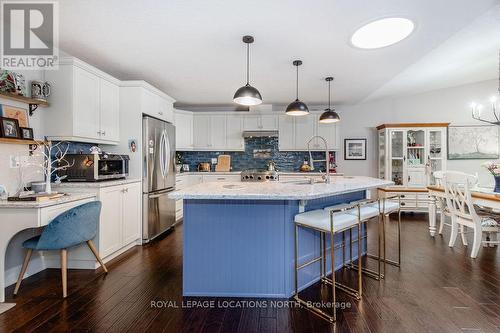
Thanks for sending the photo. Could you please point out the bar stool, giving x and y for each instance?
(367, 211)
(327, 222)
(387, 206)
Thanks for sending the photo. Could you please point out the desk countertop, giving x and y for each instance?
(34, 204)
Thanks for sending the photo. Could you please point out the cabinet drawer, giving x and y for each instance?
(221, 178)
(47, 214)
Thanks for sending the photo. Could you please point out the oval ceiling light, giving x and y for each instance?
(329, 116)
(247, 95)
(382, 33)
(297, 108)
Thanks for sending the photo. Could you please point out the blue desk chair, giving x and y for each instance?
(71, 228)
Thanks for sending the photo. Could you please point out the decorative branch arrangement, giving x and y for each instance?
(49, 166)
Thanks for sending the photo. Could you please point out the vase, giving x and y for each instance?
(497, 184)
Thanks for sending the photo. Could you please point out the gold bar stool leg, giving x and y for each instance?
(332, 253)
(296, 261)
(360, 268)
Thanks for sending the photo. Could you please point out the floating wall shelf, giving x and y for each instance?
(33, 103)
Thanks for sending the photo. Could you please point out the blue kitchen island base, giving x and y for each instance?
(245, 248)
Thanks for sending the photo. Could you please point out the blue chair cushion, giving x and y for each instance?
(74, 226)
(31, 243)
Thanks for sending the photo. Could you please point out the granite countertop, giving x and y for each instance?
(284, 173)
(101, 184)
(33, 204)
(282, 190)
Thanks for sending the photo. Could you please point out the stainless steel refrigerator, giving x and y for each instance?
(158, 176)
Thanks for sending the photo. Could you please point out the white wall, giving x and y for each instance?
(446, 105)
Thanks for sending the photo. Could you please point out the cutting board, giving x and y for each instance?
(223, 163)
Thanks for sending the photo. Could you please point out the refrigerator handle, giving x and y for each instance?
(162, 153)
(167, 154)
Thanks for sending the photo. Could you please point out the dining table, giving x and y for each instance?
(481, 196)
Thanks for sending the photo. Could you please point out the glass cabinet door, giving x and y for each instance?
(397, 156)
(435, 158)
(415, 141)
(381, 154)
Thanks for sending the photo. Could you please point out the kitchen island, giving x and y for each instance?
(239, 237)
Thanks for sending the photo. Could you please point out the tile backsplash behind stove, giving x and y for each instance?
(258, 152)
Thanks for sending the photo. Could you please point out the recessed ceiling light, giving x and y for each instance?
(382, 33)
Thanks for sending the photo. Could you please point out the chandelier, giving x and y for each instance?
(494, 102)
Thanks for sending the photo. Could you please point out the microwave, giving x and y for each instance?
(95, 167)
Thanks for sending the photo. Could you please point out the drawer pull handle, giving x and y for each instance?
(402, 204)
(402, 195)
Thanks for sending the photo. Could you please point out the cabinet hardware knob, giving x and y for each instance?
(103, 132)
(99, 132)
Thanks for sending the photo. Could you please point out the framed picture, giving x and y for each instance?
(472, 142)
(17, 113)
(26, 133)
(9, 128)
(354, 149)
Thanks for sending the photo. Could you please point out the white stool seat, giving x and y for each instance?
(320, 219)
(366, 212)
(389, 206)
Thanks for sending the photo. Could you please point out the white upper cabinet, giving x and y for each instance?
(296, 131)
(218, 132)
(201, 132)
(157, 106)
(84, 104)
(269, 122)
(183, 130)
(234, 129)
(109, 110)
(304, 131)
(286, 132)
(260, 122)
(330, 132)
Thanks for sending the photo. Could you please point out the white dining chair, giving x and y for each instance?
(445, 212)
(457, 187)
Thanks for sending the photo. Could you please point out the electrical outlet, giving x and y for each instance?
(14, 161)
(214, 161)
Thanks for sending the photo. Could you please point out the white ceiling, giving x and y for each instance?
(192, 49)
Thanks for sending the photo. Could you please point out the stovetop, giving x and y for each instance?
(259, 176)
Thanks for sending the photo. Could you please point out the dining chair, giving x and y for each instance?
(457, 187)
(445, 212)
(73, 227)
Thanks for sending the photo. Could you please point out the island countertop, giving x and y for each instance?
(281, 190)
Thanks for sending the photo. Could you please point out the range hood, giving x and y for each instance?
(260, 133)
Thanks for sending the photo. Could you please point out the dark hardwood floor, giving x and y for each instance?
(438, 289)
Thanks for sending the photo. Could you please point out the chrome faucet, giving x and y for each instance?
(326, 177)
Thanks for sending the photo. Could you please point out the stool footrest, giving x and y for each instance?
(315, 310)
(312, 261)
(348, 290)
(371, 273)
(387, 261)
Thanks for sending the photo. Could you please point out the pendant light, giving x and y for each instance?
(297, 108)
(329, 116)
(247, 95)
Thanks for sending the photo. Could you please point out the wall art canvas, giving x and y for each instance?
(472, 142)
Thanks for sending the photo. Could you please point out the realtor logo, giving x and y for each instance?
(29, 35)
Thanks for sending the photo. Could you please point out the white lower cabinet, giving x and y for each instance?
(110, 239)
(121, 217)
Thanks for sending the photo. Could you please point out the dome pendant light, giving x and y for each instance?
(329, 116)
(297, 108)
(247, 95)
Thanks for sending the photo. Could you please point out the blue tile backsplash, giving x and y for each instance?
(258, 151)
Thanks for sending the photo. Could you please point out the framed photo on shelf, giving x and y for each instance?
(9, 128)
(20, 114)
(26, 133)
(355, 149)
